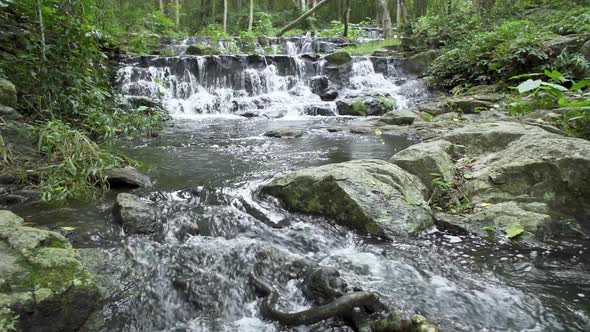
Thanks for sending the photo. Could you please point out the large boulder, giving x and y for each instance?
(285, 133)
(463, 104)
(370, 196)
(134, 214)
(491, 136)
(425, 159)
(43, 284)
(338, 58)
(126, 177)
(399, 117)
(7, 93)
(201, 49)
(548, 168)
(418, 63)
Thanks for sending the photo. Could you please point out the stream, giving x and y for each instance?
(207, 166)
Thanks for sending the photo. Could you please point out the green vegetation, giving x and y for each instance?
(359, 107)
(448, 195)
(370, 48)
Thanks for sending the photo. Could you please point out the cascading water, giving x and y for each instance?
(273, 86)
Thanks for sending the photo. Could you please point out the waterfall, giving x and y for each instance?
(252, 85)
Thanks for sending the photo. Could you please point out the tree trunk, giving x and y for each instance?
(385, 20)
(302, 17)
(225, 16)
(251, 17)
(177, 13)
(41, 29)
(346, 18)
(161, 6)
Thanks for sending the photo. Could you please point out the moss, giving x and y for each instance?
(359, 108)
(201, 49)
(338, 58)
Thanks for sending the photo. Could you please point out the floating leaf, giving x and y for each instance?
(68, 228)
(529, 85)
(514, 231)
(378, 132)
(489, 229)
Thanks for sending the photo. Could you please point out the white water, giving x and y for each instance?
(187, 88)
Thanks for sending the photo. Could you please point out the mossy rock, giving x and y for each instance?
(201, 49)
(7, 93)
(370, 196)
(338, 58)
(353, 108)
(42, 280)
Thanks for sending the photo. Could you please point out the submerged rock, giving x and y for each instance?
(370, 196)
(285, 133)
(126, 177)
(43, 284)
(134, 214)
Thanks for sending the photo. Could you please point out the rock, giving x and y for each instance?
(338, 58)
(324, 285)
(362, 130)
(285, 133)
(490, 136)
(537, 220)
(319, 110)
(465, 104)
(425, 159)
(572, 43)
(134, 214)
(418, 63)
(8, 178)
(7, 93)
(370, 196)
(320, 85)
(43, 284)
(357, 108)
(544, 168)
(126, 177)
(139, 101)
(201, 49)
(9, 114)
(399, 117)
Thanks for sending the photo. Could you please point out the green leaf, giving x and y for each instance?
(514, 231)
(554, 86)
(555, 75)
(529, 85)
(489, 229)
(580, 85)
(517, 77)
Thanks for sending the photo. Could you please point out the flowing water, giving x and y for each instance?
(215, 228)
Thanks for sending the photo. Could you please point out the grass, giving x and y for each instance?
(369, 48)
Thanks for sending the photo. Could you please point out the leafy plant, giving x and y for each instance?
(359, 107)
(387, 103)
(514, 231)
(447, 195)
(369, 48)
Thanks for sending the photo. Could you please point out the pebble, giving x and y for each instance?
(581, 295)
(520, 256)
(504, 258)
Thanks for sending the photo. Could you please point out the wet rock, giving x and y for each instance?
(285, 133)
(7, 93)
(320, 85)
(323, 285)
(397, 321)
(399, 117)
(139, 101)
(364, 107)
(362, 130)
(536, 219)
(201, 49)
(543, 168)
(338, 58)
(43, 284)
(347, 107)
(370, 196)
(134, 214)
(490, 136)
(126, 177)
(319, 110)
(425, 159)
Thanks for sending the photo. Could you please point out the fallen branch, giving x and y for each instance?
(341, 307)
(302, 17)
